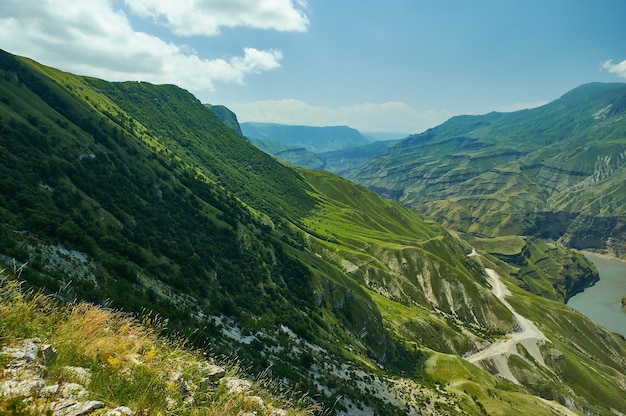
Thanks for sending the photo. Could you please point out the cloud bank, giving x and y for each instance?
(618, 69)
(367, 117)
(206, 17)
(97, 38)
(92, 37)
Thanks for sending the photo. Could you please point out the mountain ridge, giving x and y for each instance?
(226, 116)
(554, 171)
(314, 139)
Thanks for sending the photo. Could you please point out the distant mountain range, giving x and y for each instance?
(557, 171)
(313, 139)
(322, 148)
(137, 196)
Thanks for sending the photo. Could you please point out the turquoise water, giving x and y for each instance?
(602, 302)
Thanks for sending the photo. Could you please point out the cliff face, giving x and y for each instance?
(556, 171)
(227, 117)
(581, 231)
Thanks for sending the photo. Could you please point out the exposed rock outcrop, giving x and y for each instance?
(25, 375)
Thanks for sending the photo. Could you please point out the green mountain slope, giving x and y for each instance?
(227, 117)
(137, 196)
(556, 171)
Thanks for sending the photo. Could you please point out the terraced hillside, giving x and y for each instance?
(136, 196)
(557, 171)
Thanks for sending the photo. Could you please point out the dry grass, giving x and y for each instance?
(110, 337)
(25, 314)
(131, 362)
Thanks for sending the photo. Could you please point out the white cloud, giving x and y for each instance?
(618, 69)
(206, 17)
(366, 117)
(90, 37)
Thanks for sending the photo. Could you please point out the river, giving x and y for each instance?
(602, 301)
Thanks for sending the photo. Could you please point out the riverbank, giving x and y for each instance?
(603, 255)
(602, 302)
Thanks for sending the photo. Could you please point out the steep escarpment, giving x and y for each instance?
(227, 117)
(555, 171)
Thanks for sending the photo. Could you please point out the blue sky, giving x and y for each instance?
(394, 65)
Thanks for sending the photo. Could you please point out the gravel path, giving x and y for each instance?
(526, 333)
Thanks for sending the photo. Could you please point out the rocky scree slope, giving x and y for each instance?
(148, 201)
(556, 172)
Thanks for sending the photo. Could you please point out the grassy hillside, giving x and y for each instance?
(116, 360)
(136, 196)
(556, 171)
(123, 195)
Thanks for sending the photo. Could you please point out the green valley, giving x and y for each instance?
(138, 197)
(332, 148)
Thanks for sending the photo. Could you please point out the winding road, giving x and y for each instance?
(526, 334)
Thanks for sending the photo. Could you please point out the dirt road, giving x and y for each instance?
(526, 334)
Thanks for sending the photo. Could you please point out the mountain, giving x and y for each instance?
(296, 156)
(337, 161)
(557, 172)
(138, 197)
(226, 116)
(336, 149)
(313, 139)
(375, 136)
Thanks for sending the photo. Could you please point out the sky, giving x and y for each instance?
(379, 66)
